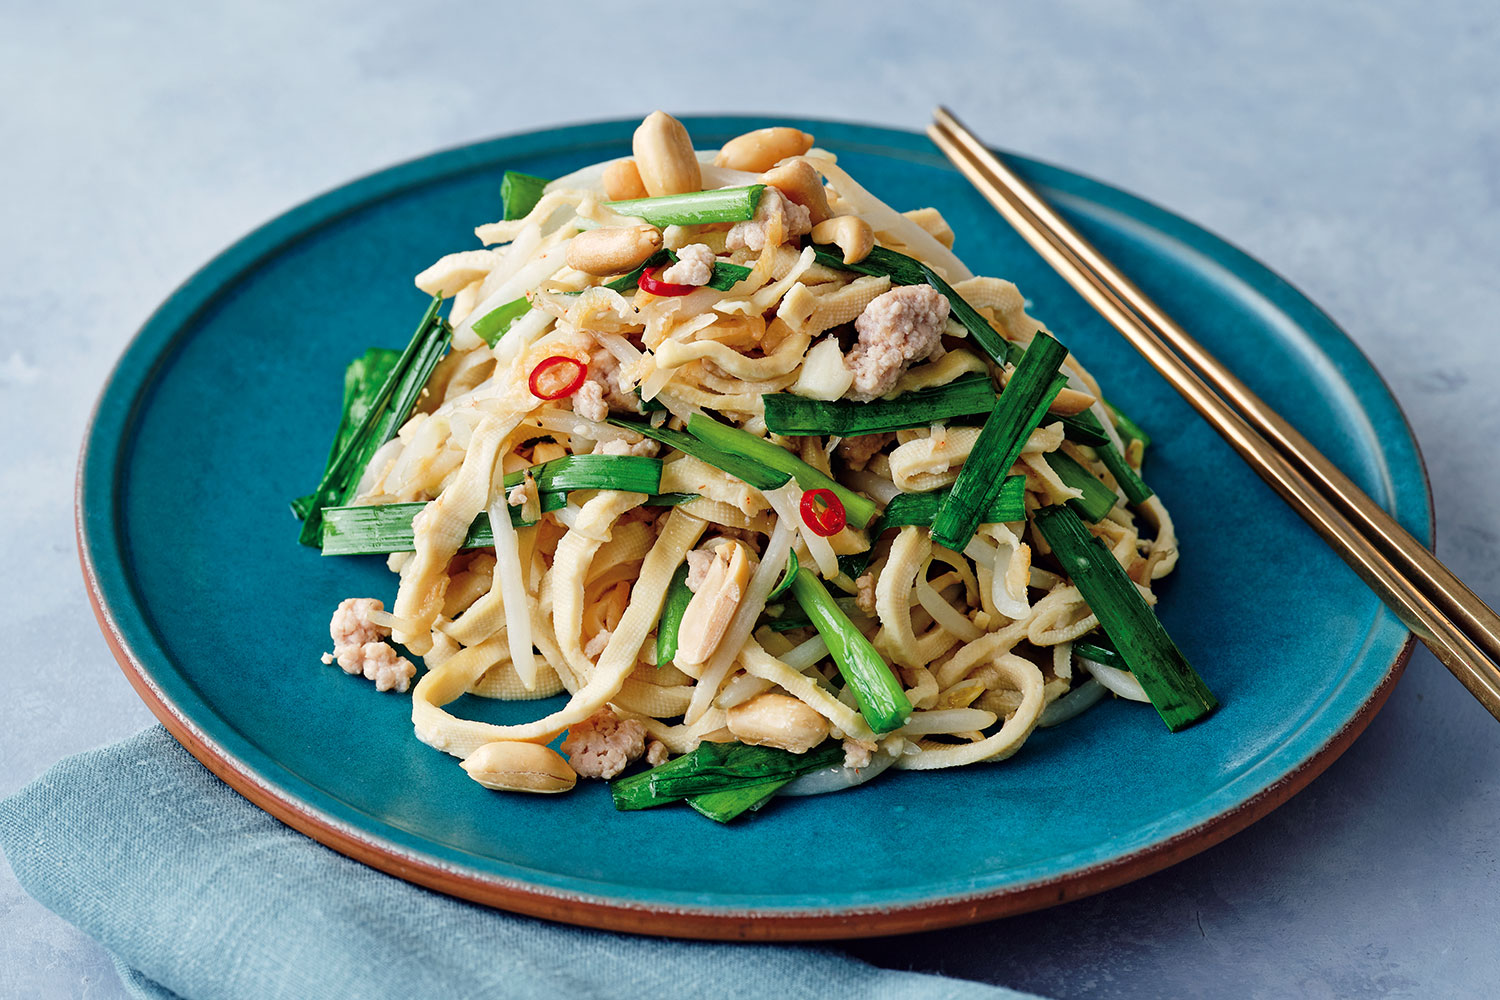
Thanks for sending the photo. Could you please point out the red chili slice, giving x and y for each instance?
(546, 382)
(647, 283)
(823, 512)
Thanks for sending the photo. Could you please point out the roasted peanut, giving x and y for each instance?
(800, 182)
(612, 249)
(849, 233)
(510, 766)
(777, 720)
(622, 181)
(664, 156)
(762, 149)
(714, 603)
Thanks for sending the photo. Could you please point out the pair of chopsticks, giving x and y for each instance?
(1459, 628)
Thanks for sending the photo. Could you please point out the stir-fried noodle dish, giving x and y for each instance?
(748, 464)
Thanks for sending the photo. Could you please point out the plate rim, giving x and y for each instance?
(708, 922)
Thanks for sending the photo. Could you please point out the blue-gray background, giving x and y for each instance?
(1354, 147)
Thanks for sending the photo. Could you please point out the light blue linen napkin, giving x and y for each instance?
(199, 894)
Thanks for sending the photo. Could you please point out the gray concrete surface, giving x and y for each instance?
(1355, 147)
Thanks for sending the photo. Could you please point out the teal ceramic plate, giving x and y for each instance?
(221, 409)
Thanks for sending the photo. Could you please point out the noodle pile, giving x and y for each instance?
(980, 640)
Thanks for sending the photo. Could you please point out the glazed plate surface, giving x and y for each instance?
(221, 410)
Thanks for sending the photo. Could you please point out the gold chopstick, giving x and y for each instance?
(1460, 629)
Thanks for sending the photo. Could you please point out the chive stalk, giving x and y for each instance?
(1084, 428)
(388, 410)
(788, 622)
(725, 274)
(672, 499)
(744, 469)
(626, 473)
(629, 281)
(652, 405)
(859, 510)
(635, 792)
(854, 565)
(677, 600)
(494, 324)
(717, 767)
(1099, 654)
(797, 416)
(1097, 499)
(1174, 687)
(881, 700)
(383, 528)
(904, 270)
(363, 379)
(380, 529)
(1129, 429)
(736, 204)
(919, 509)
(519, 194)
(727, 804)
(1131, 484)
(740, 766)
(1032, 387)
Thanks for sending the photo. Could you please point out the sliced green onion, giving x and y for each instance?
(697, 208)
(672, 609)
(1032, 387)
(1174, 687)
(381, 529)
(519, 194)
(743, 469)
(860, 510)
(725, 274)
(785, 583)
(919, 509)
(716, 767)
(881, 699)
(494, 324)
(363, 379)
(797, 416)
(626, 473)
(904, 270)
(388, 410)
(1097, 500)
(1134, 488)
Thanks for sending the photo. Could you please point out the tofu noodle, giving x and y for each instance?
(762, 589)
